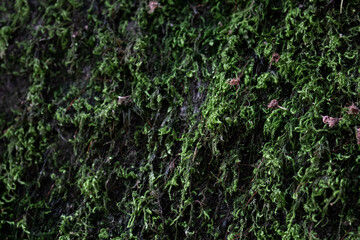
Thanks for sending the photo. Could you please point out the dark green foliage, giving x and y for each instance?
(119, 123)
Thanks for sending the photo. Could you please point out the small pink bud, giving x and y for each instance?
(274, 104)
(358, 136)
(75, 34)
(152, 6)
(330, 121)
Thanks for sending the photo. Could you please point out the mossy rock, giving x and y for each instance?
(179, 120)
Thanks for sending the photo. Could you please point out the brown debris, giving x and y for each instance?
(274, 58)
(330, 121)
(152, 6)
(234, 81)
(353, 109)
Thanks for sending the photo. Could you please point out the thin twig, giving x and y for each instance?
(341, 5)
(251, 199)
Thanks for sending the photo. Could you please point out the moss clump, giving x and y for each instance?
(152, 120)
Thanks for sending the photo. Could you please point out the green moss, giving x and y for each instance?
(119, 123)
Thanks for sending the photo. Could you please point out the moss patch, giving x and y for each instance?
(157, 120)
